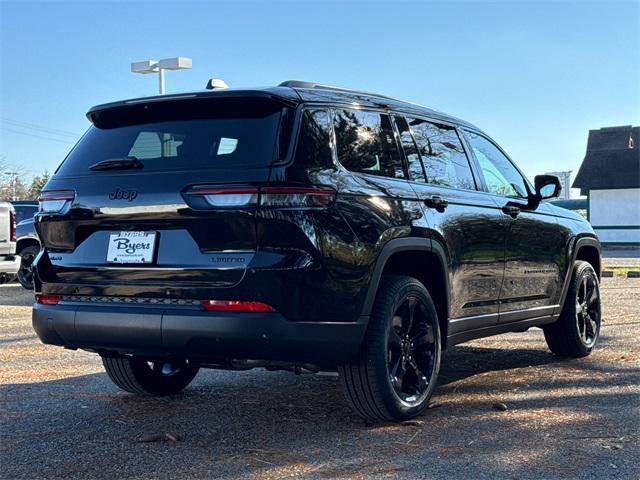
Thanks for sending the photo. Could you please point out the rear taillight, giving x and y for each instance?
(263, 196)
(306, 197)
(235, 306)
(47, 299)
(53, 202)
(226, 197)
(12, 226)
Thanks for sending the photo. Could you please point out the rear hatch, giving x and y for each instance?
(152, 197)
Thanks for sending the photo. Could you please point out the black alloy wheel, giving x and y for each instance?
(395, 371)
(411, 351)
(588, 310)
(576, 331)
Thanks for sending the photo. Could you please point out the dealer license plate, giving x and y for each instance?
(131, 247)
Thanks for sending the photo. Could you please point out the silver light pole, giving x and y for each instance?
(159, 67)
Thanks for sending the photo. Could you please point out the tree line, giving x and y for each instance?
(16, 184)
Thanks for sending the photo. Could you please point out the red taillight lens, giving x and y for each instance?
(47, 299)
(12, 220)
(243, 196)
(235, 306)
(52, 202)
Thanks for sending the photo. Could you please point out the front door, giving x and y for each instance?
(532, 276)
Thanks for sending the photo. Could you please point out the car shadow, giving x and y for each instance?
(274, 424)
(460, 362)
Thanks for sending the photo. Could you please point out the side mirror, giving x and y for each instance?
(547, 186)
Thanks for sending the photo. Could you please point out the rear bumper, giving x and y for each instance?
(196, 334)
(9, 264)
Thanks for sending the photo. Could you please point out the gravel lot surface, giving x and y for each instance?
(61, 416)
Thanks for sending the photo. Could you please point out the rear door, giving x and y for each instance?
(467, 222)
(184, 175)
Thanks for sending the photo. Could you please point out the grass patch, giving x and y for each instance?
(622, 271)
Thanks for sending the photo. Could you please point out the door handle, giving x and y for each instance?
(511, 210)
(437, 202)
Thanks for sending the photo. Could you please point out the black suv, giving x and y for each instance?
(307, 228)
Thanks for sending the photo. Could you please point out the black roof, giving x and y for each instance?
(292, 93)
(612, 159)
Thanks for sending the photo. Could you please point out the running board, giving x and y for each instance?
(499, 328)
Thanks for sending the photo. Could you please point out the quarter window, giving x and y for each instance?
(416, 172)
(500, 175)
(365, 143)
(314, 141)
(445, 161)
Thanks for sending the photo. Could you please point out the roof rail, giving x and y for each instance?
(321, 86)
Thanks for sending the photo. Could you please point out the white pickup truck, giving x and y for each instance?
(9, 261)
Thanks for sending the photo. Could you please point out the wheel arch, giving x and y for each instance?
(422, 259)
(587, 249)
(25, 242)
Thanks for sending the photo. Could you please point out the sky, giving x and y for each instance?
(536, 76)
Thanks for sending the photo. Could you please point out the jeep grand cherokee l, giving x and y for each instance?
(307, 228)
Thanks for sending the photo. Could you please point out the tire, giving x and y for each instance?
(382, 382)
(136, 375)
(576, 331)
(25, 275)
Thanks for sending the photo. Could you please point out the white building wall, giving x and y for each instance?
(627, 236)
(616, 208)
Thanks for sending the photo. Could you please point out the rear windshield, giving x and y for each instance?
(226, 141)
(25, 211)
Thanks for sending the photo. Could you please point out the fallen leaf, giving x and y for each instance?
(412, 423)
(501, 407)
(612, 446)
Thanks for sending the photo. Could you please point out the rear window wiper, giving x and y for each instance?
(124, 163)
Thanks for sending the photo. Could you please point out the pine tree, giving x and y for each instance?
(37, 184)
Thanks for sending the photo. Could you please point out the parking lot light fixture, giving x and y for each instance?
(159, 66)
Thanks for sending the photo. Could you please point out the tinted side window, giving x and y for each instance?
(499, 173)
(365, 143)
(443, 155)
(414, 163)
(314, 141)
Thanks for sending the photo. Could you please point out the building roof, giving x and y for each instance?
(612, 159)
(291, 93)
